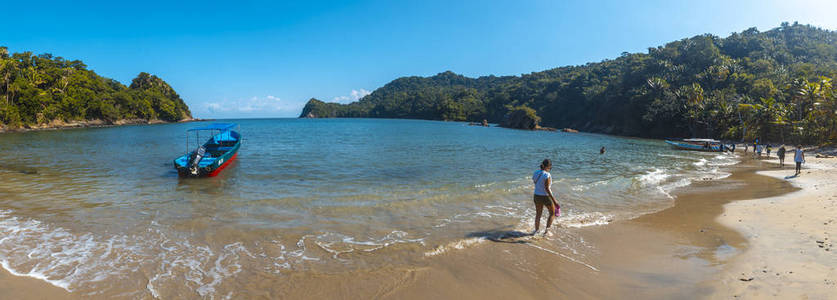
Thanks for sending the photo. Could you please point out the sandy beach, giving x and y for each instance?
(18, 287)
(790, 237)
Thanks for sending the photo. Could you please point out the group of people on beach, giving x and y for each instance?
(798, 157)
(759, 148)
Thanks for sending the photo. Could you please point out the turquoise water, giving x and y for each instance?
(102, 211)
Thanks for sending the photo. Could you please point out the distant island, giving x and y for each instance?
(776, 85)
(43, 91)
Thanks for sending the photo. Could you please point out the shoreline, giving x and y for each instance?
(678, 252)
(791, 252)
(25, 287)
(669, 254)
(96, 123)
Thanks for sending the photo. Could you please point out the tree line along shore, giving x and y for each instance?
(776, 85)
(44, 91)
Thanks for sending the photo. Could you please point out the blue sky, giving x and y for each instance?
(266, 59)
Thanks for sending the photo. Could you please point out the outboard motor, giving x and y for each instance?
(193, 163)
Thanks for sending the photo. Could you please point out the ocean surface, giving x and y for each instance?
(102, 212)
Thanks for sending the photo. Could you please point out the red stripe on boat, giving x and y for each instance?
(224, 165)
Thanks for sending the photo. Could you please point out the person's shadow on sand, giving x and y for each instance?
(792, 176)
(502, 236)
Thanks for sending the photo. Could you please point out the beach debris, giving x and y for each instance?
(746, 279)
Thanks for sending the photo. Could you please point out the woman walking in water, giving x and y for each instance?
(543, 195)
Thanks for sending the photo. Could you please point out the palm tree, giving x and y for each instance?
(765, 114)
(694, 107)
(826, 108)
(812, 92)
(7, 67)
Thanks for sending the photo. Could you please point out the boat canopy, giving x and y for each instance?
(702, 140)
(215, 126)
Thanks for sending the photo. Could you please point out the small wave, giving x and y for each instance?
(80, 263)
(585, 219)
(455, 245)
(35, 274)
(668, 188)
(32, 249)
(484, 185)
(677, 156)
(337, 243)
(723, 160)
(654, 177)
(488, 212)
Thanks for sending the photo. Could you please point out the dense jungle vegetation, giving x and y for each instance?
(777, 85)
(40, 89)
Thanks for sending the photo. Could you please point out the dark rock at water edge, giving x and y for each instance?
(521, 117)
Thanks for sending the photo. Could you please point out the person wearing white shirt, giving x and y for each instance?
(543, 195)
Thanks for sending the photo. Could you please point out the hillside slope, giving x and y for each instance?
(38, 90)
(774, 84)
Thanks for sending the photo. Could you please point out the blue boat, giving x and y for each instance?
(213, 155)
(708, 145)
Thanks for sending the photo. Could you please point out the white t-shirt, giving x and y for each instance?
(539, 177)
(798, 156)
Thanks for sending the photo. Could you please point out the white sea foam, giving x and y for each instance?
(724, 160)
(35, 274)
(337, 244)
(654, 177)
(73, 262)
(705, 167)
(455, 245)
(677, 156)
(585, 219)
(32, 249)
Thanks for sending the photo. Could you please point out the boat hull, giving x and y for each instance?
(694, 147)
(215, 164)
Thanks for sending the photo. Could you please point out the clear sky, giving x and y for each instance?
(266, 59)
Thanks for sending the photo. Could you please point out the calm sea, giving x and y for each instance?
(102, 211)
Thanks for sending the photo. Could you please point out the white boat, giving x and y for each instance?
(708, 145)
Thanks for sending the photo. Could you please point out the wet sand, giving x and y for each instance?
(17, 287)
(791, 237)
(676, 253)
(672, 254)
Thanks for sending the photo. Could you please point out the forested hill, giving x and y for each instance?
(774, 84)
(36, 90)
